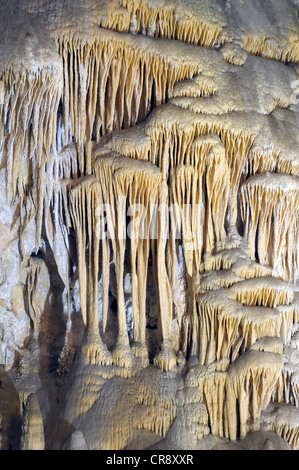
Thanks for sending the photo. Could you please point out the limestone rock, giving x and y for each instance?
(149, 234)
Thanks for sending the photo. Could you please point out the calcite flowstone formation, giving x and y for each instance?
(149, 215)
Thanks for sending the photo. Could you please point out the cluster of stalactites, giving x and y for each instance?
(199, 190)
(236, 304)
(168, 20)
(227, 328)
(121, 185)
(269, 210)
(27, 135)
(263, 46)
(84, 195)
(162, 21)
(174, 144)
(239, 328)
(198, 206)
(272, 159)
(61, 168)
(288, 386)
(112, 83)
(268, 292)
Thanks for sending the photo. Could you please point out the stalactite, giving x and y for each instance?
(290, 315)
(235, 395)
(119, 180)
(216, 193)
(60, 170)
(140, 182)
(166, 358)
(287, 385)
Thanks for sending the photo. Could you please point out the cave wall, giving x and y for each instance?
(149, 224)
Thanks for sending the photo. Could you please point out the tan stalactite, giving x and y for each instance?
(184, 191)
(287, 385)
(267, 292)
(201, 201)
(183, 146)
(216, 182)
(235, 312)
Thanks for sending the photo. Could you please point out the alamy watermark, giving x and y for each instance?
(139, 222)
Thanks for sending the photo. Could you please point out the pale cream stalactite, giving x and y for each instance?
(140, 245)
(61, 169)
(263, 291)
(230, 152)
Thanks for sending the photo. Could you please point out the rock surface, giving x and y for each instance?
(149, 242)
